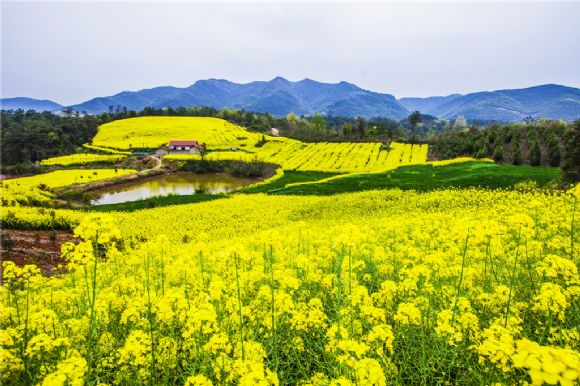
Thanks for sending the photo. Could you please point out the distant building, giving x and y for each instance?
(181, 147)
(274, 131)
(184, 146)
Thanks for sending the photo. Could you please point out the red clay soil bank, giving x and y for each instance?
(41, 248)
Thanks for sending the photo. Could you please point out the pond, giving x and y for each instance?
(181, 184)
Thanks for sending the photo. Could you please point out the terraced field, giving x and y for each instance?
(342, 157)
(82, 159)
(153, 132)
(221, 136)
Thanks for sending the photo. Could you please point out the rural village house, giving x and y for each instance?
(188, 146)
(191, 147)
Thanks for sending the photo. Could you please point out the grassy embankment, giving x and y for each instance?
(425, 177)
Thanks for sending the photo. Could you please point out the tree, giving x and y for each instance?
(361, 126)
(529, 120)
(554, 154)
(482, 152)
(292, 119)
(517, 154)
(535, 154)
(415, 118)
(346, 129)
(318, 122)
(498, 153)
(68, 111)
(460, 123)
(571, 161)
(202, 151)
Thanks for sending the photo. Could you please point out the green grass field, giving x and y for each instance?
(425, 177)
(289, 177)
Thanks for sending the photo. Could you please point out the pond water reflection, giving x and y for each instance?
(181, 184)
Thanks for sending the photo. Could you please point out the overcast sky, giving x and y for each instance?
(72, 51)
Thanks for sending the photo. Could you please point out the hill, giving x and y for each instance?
(546, 101)
(153, 132)
(277, 96)
(221, 136)
(29, 104)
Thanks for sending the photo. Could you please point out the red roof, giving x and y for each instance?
(183, 143)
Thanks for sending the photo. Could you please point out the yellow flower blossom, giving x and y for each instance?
(315, 301)
(198, 380)
(408, 313)
(550, 365)
(497, 346)
(551, 300)
(70, 371)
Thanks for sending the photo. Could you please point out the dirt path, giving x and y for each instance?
(159, 163)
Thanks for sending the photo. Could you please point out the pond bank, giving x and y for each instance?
(79, 196)
(170, 184)
(75, 194)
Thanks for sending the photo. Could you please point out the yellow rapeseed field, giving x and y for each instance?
(221, 137)
(108, 150)
(325, 157)
(153, 132)
(381, 287)
(82, 159)
(374, 288)
(29, 190)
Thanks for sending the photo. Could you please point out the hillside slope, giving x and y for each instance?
(221, 136)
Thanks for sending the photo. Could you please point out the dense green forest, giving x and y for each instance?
(31, 136)
(543, 143)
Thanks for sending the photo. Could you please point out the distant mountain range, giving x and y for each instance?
(29, 104)
(547, 101)
(278, 97)
(306, 97)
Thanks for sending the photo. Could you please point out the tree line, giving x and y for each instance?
(29, 136)
(536, 143)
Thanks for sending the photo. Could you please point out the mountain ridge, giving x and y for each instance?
(280, 96)
(26, 103)
(552, 101)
